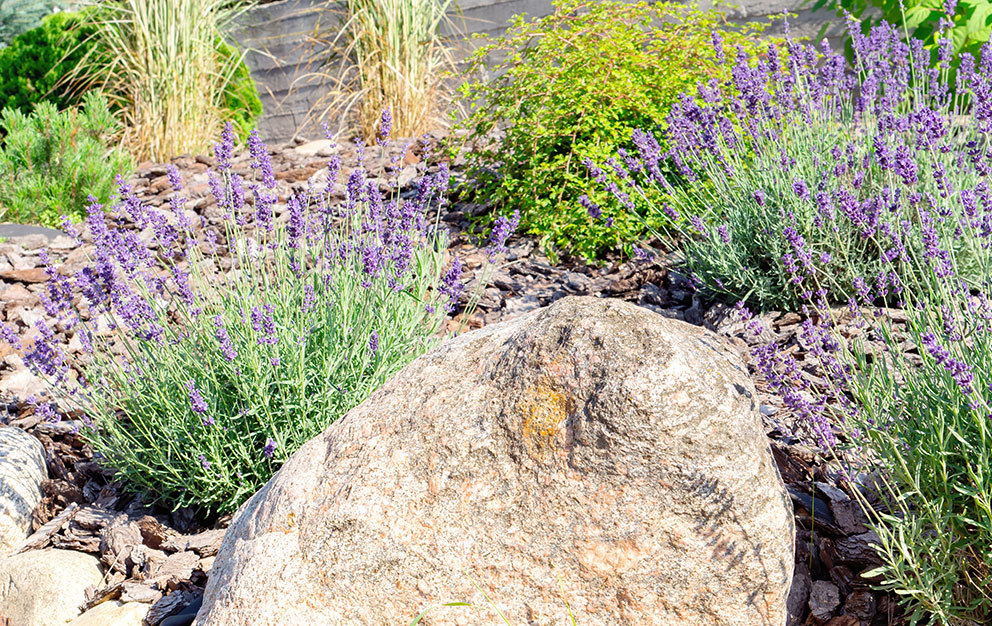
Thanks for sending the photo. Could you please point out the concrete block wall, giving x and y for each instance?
(281, 39)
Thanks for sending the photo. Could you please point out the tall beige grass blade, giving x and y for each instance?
(160, 59)
(385, 53)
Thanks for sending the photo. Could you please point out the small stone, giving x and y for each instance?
(117, 541)
(139, 592)
(17, 295)
(844, 620)
(205, 544)
(319, 147)
(861, 604)
(176, 568)
(113, 613)
(34, 275)
(824, 598)
(857, 550)
(798, 594)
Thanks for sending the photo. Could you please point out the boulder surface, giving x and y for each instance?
(22, 470)
(46, 587)
(592, 457)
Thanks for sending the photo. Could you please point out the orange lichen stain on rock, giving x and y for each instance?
(608, 558)
(543, 410)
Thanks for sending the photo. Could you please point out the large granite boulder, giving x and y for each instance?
(592, 453)
(22, 470)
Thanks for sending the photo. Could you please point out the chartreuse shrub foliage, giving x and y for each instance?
(213, 354)
(573, 86)
(51, 160)
(35, 66)
(870, 187)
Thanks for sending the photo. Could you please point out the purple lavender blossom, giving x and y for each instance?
(724, 231)
(451, 284)
(197, 404)
(309, 298)
(224, 340)
(10, 336)
(263, 323)
(261, 162)
(270, 448)
(296, 221)
(385, 126)
(373, 342)
(591, 207)
(224, 150)
(501, 231)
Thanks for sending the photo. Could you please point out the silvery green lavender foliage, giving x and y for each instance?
(202, 375)
(810, 184)
(800, 167)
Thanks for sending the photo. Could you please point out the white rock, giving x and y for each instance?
(319, 147)
(22, 383)
(22, 470)
(45, 587)
(113, 614)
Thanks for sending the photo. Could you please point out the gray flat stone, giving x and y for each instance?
(14, 231)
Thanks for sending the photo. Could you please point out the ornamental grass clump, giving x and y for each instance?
(809, 184)
(211, 355)
(167, 68)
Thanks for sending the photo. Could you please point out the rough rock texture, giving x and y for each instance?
(113, 614)
(45, 587)
(593, 452)
(22, 470)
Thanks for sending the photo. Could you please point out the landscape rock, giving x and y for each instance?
(45, 587)
(21, 384)
(22, 470)
(592, 452)
(113, 613)
(824, 598)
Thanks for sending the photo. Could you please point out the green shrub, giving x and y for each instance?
(241, 106)
(34, 66)
(50, 161)
(573, 86)
(39, 66)
(199, 382)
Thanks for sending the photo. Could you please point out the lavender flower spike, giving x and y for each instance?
(385, 126)
(502, 229)
(270, 448)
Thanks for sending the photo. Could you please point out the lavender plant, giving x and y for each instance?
(810, 184)
(211, 355)
(800, 163)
